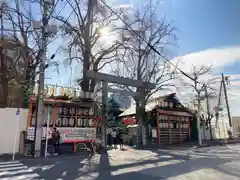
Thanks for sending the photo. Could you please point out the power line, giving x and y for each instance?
(151, 46)
(57, 14)
(61, 27)
(53, 9)
(50, 14)
(60, 10)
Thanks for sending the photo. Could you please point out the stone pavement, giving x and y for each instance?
(211, 163)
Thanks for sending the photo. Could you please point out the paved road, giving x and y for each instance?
(212, 163)
(16, 170)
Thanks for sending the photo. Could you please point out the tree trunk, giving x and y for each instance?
(85, 81)
(210, 126)
(139, 120)
(140, 113)
(87, 52)
(4, 93)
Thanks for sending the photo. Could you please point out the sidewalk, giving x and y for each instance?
(193, 144)
(129, 155)
(143, 164)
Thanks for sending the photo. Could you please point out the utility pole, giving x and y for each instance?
(226, 99)
(208, 111)
(2, 60)
(42, 56)
(219, 102)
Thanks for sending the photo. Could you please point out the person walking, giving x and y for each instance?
(109, 137)
(114, 136)
(56, 141)
(121, 138)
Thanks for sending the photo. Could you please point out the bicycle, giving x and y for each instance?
(50, 150)
(85, 147)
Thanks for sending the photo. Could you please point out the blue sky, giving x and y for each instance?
(205, 24)
(202, 24)
(208, 33)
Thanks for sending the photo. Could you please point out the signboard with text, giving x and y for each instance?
(67, 134)
(77, 134)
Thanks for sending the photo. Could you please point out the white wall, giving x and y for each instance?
(8, 121)
(236, 126)
(219, 130)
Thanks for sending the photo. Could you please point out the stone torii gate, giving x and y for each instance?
(105, 79)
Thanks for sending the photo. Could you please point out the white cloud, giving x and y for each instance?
(235, 84)
(218, 58)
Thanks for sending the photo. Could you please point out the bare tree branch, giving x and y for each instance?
(139, 61)
(22, 49)
(203, 93)
(87, 42)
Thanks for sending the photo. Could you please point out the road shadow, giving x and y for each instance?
(170, 168)
(193, 162)
(185, 167)
(105, 171)
(164, 165)
(61, 167)
(170, 165)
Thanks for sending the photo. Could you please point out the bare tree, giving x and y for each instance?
(203, 91)
(93, 37)
(22, 51)
(139, 61)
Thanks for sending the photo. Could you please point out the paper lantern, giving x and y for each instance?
(62, 92)
(51, 91)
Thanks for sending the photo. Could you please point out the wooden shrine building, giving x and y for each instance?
(168, 121)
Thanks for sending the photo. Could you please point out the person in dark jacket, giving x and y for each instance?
(121, 138)
(56, 140)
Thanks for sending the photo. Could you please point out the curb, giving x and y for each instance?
(30, 158)
(191, 145)
(223, 143)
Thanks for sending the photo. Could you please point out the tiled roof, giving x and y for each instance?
(129, 111)
(150, 105)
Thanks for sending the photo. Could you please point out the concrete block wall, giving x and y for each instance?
(8, 121)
